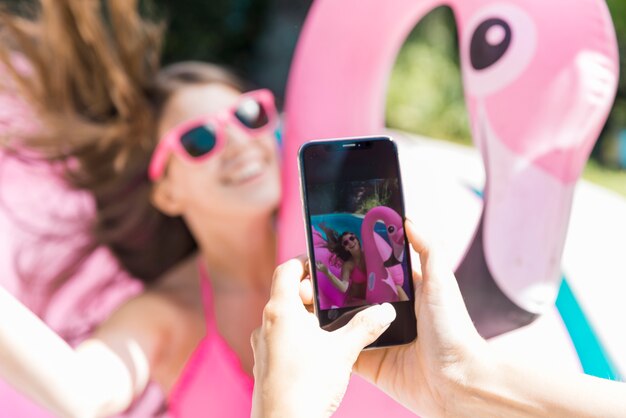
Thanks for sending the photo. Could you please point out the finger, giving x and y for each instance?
(422, 247)
(286, 281)
(366, 326)
(417, 276)
(418, 286)
(257, 352)
(254, 339)
(442, 285)
(419, 244)
(306, 291)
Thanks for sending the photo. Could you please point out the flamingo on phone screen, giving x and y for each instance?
(381, 282)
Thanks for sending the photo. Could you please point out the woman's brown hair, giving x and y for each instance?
(335, 246)
(96, 87)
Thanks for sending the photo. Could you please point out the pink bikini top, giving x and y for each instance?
(213, 384)
(358, 276)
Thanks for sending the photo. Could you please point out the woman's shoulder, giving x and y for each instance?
(177, 294)
(348, 265)
(166, 321)
(172, 306)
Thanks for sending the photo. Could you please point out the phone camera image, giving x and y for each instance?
(354, 215)
(359, 245)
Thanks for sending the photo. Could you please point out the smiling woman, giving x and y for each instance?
(220, 189)
(236, 175)
(227, 195)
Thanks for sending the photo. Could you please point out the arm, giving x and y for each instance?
(505, 388)
(96, 379)
(341, 284)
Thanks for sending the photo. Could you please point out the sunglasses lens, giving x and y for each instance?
(252, 114)
(199, 141)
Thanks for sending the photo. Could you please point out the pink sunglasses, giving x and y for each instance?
(349, 238)
(199, 138)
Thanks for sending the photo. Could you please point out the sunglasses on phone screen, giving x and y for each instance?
(200, 138)
(348, 239)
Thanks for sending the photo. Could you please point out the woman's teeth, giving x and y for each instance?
(248, 172)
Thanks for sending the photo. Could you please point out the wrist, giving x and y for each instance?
(466, 381)
(285, 403)
(493, 387)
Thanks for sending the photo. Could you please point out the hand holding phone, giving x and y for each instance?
(314, 366)
(354, 211)
(312, 374)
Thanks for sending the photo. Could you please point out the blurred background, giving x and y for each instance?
(425, 96)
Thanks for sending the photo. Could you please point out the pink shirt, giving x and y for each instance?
(213, 384)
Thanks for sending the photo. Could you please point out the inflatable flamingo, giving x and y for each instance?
(393, 255)
(539, 80)
(381, 287)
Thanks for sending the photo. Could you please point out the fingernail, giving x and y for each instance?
(386, 313)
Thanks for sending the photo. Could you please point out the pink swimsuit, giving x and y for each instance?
(213, 384)
(358, 276)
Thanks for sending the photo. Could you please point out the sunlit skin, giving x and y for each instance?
(228, 201)
(219, 187)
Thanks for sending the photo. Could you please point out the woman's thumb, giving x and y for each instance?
(367, 326)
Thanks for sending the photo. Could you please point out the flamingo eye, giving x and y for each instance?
(498, 44)
(490, 41)
(391, 229)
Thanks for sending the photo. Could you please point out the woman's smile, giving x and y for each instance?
(246, 173)
(246, 168)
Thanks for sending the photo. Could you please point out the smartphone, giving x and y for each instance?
(354, 218)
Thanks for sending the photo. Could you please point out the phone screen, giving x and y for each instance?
(354, 212)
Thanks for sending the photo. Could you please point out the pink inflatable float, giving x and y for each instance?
(381, 282)
(539, 81)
